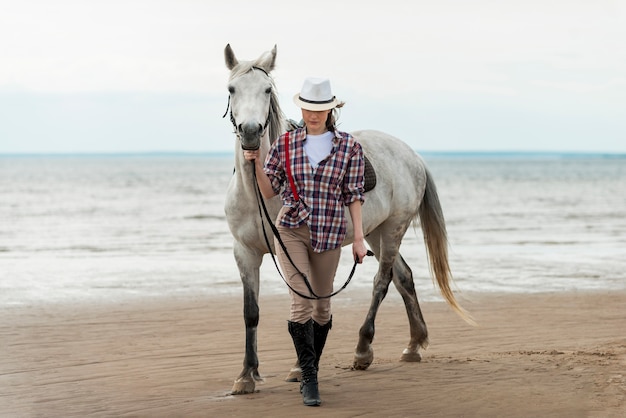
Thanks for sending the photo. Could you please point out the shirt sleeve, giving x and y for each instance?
(354, 180)
(273, 167)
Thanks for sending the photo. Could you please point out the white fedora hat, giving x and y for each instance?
(316, 95)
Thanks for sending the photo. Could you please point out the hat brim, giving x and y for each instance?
(314, 106)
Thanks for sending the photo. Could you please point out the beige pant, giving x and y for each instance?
(320, 269)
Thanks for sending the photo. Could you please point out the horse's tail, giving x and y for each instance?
(436, 240)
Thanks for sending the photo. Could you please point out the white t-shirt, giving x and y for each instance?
(317, 147)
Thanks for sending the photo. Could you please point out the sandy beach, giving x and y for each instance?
(543, 355)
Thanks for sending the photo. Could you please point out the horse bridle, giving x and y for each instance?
(234, 122)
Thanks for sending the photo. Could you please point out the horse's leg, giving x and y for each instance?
(364, 354)
(295, 373)
(248, 262)
(403, 281)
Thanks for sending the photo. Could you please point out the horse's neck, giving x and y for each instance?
(244, 171)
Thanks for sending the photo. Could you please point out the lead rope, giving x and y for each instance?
(261, 203)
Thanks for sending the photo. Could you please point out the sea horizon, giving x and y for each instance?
(431, 153)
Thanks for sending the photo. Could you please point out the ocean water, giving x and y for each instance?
(94, 229)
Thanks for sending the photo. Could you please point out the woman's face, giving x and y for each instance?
(315, 121)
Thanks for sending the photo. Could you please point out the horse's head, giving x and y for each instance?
(252, 96)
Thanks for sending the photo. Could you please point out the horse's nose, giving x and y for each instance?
(251, 129)
(250, 135)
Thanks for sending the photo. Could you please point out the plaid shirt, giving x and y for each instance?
(324, 191)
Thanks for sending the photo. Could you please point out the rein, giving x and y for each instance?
(261, 204)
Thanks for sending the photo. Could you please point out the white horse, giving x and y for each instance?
(405, 191)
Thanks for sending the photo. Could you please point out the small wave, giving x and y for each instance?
(540, 242)
(73, 249)
(88, 248)
(205, 217)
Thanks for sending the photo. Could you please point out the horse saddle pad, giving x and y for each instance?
(370, 175)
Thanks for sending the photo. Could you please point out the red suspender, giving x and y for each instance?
(288, 167)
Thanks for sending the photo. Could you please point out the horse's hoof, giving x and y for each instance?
(363, 360)
(410, 356)
(295, 375)
(243, 386)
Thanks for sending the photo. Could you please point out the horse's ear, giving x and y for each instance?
(267, 61)
(229, 57)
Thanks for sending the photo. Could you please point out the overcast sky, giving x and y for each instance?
(149, 75)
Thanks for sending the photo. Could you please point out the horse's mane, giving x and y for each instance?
(277, 120)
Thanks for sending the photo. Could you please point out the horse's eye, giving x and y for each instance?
(231, 89)
(268, 90)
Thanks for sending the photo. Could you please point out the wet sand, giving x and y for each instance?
(548, 355)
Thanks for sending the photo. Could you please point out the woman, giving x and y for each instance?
(323, 175)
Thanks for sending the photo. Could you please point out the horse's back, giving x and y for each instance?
(395, 162)
(373, 139)
(400, 178)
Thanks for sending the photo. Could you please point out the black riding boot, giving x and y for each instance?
(303, 341)
(320, 333)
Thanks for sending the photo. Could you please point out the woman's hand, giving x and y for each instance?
(359, 250)
(251, 155)
(262, 180)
